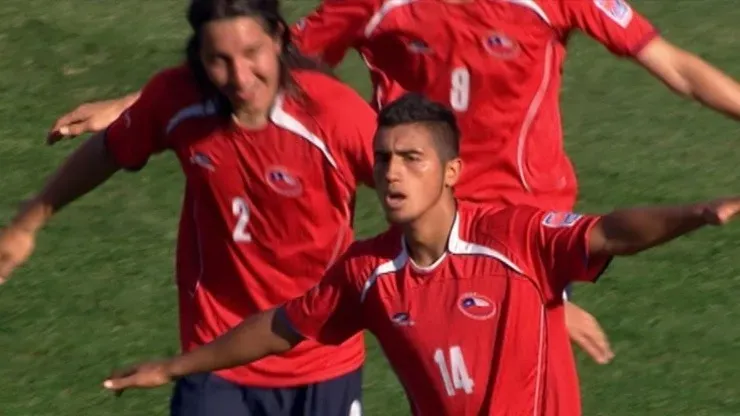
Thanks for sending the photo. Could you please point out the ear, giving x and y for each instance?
(453, 170)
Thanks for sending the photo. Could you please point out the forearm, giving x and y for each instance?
(630, 231)
(710, 86)
(129, 100)
(255, 338)
(87, 167)
(690, 76)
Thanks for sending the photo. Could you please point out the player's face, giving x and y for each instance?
(410, 178)
(242, 61)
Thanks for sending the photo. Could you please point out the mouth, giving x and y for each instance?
(244, 94)
(394, 199)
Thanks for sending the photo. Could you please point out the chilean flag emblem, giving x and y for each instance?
(500, 45)
(476, 306)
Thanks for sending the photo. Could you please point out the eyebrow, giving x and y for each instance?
(402, 152)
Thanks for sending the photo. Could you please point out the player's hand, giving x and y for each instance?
(721, 211)
(87, 118)
(585, 331)
(16, 246)
(143, 376)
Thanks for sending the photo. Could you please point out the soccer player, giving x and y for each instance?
(272, 151)
(455, 292)
(498, 65)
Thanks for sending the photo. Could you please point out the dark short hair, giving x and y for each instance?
(414, 108)
(267, 12)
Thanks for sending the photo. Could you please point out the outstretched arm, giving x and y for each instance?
(261, 335)
(626, 32)
(630, 231)
(127, 144)
(691, 76)
(328, 314)
(90, 117)
(87, 168)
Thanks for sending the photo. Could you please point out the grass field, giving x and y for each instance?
(99, 291)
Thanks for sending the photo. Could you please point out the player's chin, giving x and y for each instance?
(397, 216)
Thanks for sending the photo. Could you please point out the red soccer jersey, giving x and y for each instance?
(468, 335)
(265, 212)
(496, 63)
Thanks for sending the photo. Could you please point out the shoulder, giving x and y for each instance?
(507, 230)
(331, 109)
(171, 89)
(366, 257)
(502, 223)
(328, 95)
(173, 96)
(171, 78)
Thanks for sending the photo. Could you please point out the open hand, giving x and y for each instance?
(585, 331)
(146, 375)
(86, 118)
(721, 211)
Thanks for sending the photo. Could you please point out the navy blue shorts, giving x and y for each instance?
(210, 395)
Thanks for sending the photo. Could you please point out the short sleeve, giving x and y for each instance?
(613, 23)
(333, 28)
(330, 312)
(556, 246)
(353, 131)
(139, 132)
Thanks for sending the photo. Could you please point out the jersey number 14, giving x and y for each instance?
(455, 377)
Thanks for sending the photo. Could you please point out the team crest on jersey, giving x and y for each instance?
(283, 182)
(476, 306)
(617, 10)
(501, 46)
(555, 219)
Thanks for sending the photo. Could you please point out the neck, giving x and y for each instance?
(251, 120)
(427, 236)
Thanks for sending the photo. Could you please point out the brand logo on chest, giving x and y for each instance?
(402, 319)
(202, 160)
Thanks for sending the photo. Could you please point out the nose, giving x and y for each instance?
(393, 169)
(241, 74)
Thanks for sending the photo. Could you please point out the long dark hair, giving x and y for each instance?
(267, 12)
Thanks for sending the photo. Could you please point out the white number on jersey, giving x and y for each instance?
(240, 208)
(460, 89)
(456, 378)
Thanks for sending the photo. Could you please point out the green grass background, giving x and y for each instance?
(99, 290)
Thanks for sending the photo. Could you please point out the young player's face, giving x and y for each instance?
(242, 61)
(410, 178)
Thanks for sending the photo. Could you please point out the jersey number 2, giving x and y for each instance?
(460, 89)
(240, 208)
(455, 377)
